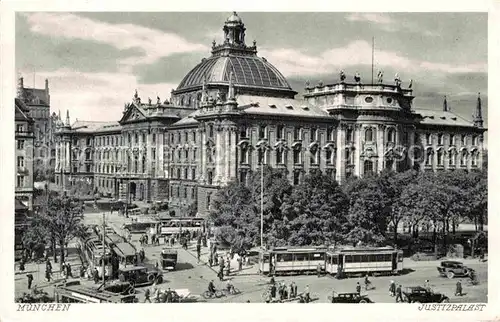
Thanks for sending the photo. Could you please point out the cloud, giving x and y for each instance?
(292, 62)
(97, 96)
(385, 22)
(152, 44)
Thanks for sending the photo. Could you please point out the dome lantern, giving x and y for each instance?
(234, 30)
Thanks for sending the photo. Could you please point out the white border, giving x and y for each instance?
(240, 312)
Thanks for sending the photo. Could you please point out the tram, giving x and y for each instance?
(291, 260)
(74, 292)
(174, 225)
(347, 261)
(95, 254)
(338, 261)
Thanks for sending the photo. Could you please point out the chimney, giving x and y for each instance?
(47, 91)
(20, 88)
(478, 116)
(445, 105)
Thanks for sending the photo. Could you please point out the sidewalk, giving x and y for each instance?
(246, 270)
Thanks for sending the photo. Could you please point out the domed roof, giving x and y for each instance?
(234, 18)
(251, 71)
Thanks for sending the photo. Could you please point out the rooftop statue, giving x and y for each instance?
(380, 77)
(149, 100)
(342, 75)
(158, 101)
(357, 77)
(397, 80)
(411, 83)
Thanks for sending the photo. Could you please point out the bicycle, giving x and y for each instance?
(210, 295)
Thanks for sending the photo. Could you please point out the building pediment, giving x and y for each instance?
(132, 114)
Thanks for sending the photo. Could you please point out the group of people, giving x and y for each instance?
(280, 291)
(159, 296)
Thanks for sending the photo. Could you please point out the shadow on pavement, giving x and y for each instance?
(406, 271)
(183, 266)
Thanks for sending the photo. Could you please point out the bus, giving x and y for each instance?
(292, 260)
(174, 225)
(74, 292)
(126, 253)
(347, 261)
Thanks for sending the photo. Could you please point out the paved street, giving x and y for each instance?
(195, 276)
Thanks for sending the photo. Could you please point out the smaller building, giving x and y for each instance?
(24, 154)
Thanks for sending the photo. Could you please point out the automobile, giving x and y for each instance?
(118, 287)
(168, 258)
(140, 275)
(419, 294)
(348, 298)
(451, 269)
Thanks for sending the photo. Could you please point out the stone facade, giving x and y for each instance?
(24, 154)
(234, 112)
(38, 103)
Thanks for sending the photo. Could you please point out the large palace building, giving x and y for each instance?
(235, 111)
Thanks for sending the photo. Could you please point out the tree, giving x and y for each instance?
(239, 206)
(63, 218)
(314, 213)
(368, 211)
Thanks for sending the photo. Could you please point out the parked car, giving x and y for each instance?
(140, 275)
(419, 294)
(451, 269)
(349, 298)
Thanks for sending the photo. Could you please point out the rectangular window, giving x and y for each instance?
(296, 156)
(280, 133)
(20, 181)
(329, 134)
(20, 144)
(296, 178)
(349, 135)
(153, 138)
(194, 136)
(262, 132)
(193, 174)
(296, 134)
(19, 128)
(20, 162)
(153, 153)
(329, 155)
(428, 138)
(314, 134)
(87, 168)
(193, 193)
(279, 158)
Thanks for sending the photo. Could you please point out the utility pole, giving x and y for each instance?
(104, 248)
(262, 204)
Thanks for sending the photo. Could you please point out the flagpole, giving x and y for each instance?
(373, 54)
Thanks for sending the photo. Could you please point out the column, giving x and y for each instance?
(357, 149)
(380, 147)
(233, 155)
(227, 152)
(160, 145)
(340, 162)
(203, 156)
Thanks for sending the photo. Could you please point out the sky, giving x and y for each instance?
(95, 61)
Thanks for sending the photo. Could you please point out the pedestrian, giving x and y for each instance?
(198, 251)
(399, 294)
(294, 289)
(30, 280)
(273, 291)
(427, 285)
(48, 265)
(318, 270)
(69, 273)
(63, 270)
(156, 265)
(358, 288)
(157, 295)
(290, 291)
(210, 260)
(96, 276)
(392, 289)
(240, 263)
(228, 267)
(21, 265)
(458, 290)
(47, 275)
(147, 295)
(82, 271)
(307, 294)
(169, 296)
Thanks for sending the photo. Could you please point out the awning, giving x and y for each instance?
(124, 250)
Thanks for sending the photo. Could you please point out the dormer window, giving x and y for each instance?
(272, 106)
(290, 107)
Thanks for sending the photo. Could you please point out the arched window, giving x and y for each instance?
(280, 133)
(440, 157)
(474, 158)
(296, 156)
(185, 173)
(453, 157)
(428, 157)
(369, 135)
(296, 133)
(368, 167)
(464, 139)
(440, 139)
(314, 134)
(463, 159)
(261, 156)
(428, 138)
(452, 139)
(178, 173)
(391, 135)
(314, 155)
(210, 130)
(349, 135)
(262, 132)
